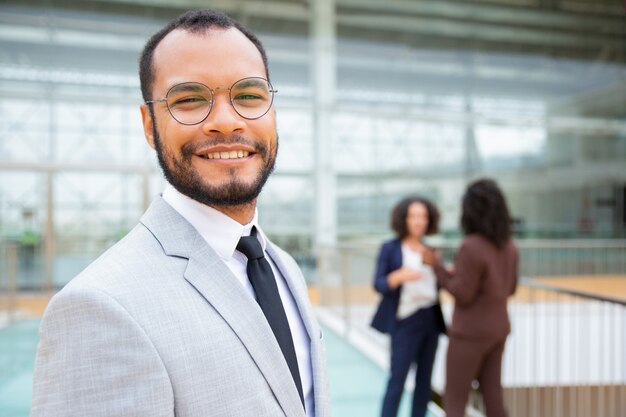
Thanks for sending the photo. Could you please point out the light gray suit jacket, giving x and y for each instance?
(159, 326)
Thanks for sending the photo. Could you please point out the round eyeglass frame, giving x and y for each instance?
(271, 90)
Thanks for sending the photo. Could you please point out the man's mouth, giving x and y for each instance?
(227, 155)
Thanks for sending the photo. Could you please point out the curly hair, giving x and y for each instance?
(401, 211)
(485, 212)
(197, 22)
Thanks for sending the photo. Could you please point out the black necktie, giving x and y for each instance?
(264, 284)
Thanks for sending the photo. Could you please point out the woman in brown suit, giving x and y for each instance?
(484, 276)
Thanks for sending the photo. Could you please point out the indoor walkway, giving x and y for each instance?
(356, 382)
(18, 343)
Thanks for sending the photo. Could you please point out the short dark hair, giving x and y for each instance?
(196, 21)
(485, 212)
(401, 211)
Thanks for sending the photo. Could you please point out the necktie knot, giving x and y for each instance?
(250, 246)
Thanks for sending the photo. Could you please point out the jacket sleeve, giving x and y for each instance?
(93, 359)
(383, 268)
(464, 284)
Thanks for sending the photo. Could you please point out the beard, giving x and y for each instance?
(180, 173)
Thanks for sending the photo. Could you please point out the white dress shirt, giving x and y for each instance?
(222, 233)
(418, 294)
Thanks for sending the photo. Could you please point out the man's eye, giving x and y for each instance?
(189, 101)
(248, 97)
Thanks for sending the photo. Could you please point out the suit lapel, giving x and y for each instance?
(297, 290)
(294, 279)
(218, 286)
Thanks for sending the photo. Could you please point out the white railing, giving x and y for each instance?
(539, 257)
(566, 356)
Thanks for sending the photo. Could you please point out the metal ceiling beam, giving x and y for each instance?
(503, 15)
(472, 31)
(458, 22)
(288, 9)
(599, 172)
(73, 167)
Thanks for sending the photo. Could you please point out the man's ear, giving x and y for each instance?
(148, 124)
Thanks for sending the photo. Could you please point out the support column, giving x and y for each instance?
(323, 68)
(472, 163)
(49, 237)
(48, 243)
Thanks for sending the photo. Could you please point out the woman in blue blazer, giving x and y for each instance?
(409, 310)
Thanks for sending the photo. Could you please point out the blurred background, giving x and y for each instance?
(376, 100)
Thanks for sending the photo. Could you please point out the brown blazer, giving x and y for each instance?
(483, 279)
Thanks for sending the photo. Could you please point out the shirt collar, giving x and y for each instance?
(220, 231)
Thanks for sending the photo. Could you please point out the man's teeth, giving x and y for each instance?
(227, 155)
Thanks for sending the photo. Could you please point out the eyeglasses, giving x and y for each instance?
(190, 103)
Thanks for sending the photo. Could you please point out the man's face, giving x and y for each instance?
(199, 160)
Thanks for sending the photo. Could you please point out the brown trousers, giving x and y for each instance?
(466, 361)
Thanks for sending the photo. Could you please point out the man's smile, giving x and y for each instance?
(227, 155)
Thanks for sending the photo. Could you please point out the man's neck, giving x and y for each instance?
(242, 214)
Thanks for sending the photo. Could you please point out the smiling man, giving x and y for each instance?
(195, 312)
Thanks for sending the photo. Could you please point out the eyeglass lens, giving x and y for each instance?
(190, 103)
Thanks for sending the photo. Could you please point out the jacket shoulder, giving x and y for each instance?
(134, 255)
(391, 244)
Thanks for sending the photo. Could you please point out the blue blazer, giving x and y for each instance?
(390, 259)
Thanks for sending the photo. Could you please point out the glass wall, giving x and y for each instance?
(411, 115)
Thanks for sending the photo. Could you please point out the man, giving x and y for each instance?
(169, 321)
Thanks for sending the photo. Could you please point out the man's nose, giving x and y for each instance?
(223, 118)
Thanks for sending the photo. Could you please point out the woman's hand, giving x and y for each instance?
(402, 275)
(430, 256)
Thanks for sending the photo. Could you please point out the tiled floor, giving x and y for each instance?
(18, 343)
(357, 384)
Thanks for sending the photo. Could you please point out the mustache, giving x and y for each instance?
(223, 140)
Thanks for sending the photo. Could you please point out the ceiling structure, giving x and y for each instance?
(579, 29)
(405, 60)
(565, 57)
(448, 44)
